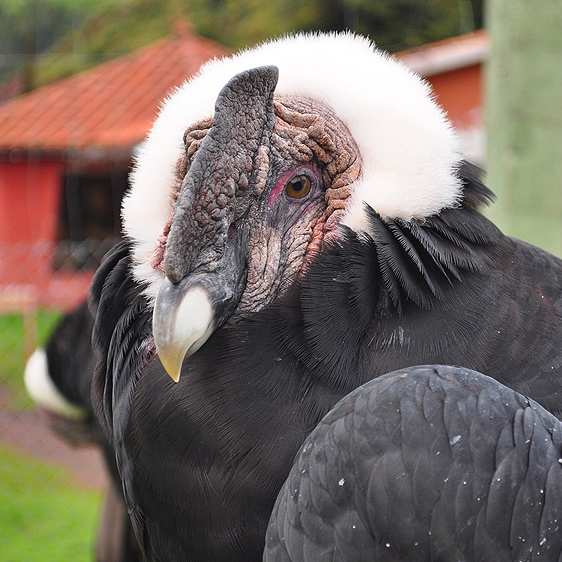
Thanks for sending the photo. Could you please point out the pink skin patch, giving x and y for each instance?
(157, 259)
(284, 179)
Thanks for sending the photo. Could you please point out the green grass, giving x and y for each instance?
(43, 516)
(12, 354)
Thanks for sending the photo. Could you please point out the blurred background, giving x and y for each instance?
(80, 83)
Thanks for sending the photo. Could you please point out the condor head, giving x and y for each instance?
(230, 207)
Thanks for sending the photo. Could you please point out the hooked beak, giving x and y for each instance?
(186, 314)
(205, 263)
(183, 320)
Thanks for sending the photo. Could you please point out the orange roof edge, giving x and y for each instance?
(109, 106)
(448, 54)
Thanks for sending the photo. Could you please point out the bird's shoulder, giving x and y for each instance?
(121, 335)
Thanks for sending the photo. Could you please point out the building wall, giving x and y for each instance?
(460, 93)
(29, 208)
(29, 198)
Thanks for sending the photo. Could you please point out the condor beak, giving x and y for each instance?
(187, 313)
(183, 320)
(205, 261)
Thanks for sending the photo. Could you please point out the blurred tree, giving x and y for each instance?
(33, 30)
(80, 33)
(23, 35)
(393, 24)
(29, 28)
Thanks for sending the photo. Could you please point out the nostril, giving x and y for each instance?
(173, 275)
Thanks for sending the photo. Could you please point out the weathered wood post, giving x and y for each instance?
(524, 116)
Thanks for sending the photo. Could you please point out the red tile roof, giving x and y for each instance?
(449, 54)
(110, 106)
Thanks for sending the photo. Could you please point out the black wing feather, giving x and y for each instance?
(395, 468)
(418, 258)
(475, 193)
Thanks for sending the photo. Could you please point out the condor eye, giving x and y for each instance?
(298, 187)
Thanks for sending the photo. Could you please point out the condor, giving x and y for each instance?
(300, 222)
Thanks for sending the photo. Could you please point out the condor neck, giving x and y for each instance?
(323, 319)
(387, 296)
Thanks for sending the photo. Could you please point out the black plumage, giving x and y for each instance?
(426, 463)
(283, 308)
(70, 358)
(203, 459)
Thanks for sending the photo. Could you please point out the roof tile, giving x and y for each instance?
(114, 104)
(110, 106)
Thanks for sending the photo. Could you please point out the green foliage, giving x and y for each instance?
(110, 32)
(408, 23)
(238, 23)
(42, 516)
(392, 24)
(20, 7)
(72, 35)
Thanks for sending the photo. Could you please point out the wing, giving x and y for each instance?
(427, 463)
(122, 340)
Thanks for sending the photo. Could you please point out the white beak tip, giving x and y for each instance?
(182, 328)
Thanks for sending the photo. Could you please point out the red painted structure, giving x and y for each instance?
(29, 196)
(454, 68)
(21, 221)
(66, 146)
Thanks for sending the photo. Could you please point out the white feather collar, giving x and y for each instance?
(409, 150)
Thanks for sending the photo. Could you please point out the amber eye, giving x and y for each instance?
(298, 187)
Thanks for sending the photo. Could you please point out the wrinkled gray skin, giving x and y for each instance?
(215, 192)
(235, 235)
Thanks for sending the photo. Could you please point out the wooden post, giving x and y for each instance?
(524, 116)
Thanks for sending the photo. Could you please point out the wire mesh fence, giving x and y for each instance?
(51, 491)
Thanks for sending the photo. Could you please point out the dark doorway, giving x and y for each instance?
(89, 218)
